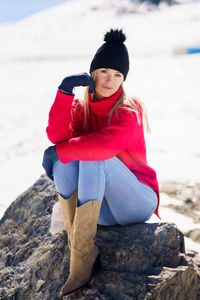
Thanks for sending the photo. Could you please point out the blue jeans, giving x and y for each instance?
(128, 199)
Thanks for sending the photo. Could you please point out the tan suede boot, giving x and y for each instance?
(83, 249)
(68, 208)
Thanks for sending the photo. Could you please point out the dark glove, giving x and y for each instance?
(82, 79)
(49, 157)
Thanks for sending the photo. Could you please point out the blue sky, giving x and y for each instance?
(14, 10)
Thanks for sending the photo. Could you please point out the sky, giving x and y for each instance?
(12, 10)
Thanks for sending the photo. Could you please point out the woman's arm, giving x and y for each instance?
(101, 145)
(58, 128)
(60, 115)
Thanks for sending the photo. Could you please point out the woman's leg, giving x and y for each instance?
(83, 249)
(66, 177)
(66, 182)
(91, 186)
(129, 200)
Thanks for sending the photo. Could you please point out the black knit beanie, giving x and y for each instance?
(113, 54)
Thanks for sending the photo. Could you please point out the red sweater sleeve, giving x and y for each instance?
(58, 128)
(101, 145)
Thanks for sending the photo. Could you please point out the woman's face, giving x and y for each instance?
(107, 82)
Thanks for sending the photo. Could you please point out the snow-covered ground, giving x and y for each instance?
(37, 52)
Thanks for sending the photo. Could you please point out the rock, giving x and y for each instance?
(194, 234)
(187, 191)
(166, 284)
(188, 195)
(195, 257)
(139, 261)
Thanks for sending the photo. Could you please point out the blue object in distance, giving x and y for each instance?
(193, 50)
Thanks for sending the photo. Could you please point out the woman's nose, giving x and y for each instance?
(109, 78)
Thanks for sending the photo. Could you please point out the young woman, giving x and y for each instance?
(98, 163)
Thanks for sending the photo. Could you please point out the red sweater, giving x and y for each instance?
(123, 137)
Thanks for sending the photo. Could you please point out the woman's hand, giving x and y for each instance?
(49, 157)
(70, 82)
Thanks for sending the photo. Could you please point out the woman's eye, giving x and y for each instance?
(104, 71)
(118, 75)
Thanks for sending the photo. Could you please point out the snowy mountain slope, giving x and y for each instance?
(36, 53)
(51, 32)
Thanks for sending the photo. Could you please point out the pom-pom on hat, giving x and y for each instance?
(113, 54)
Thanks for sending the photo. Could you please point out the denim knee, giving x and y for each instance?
(66, 177)
(91, 182)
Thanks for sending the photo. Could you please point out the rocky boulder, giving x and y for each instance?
(139, 261)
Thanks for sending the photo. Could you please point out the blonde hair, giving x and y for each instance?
(132, 104)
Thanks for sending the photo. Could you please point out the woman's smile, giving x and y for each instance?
(107, 87)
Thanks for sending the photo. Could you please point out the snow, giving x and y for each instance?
(39, 51)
